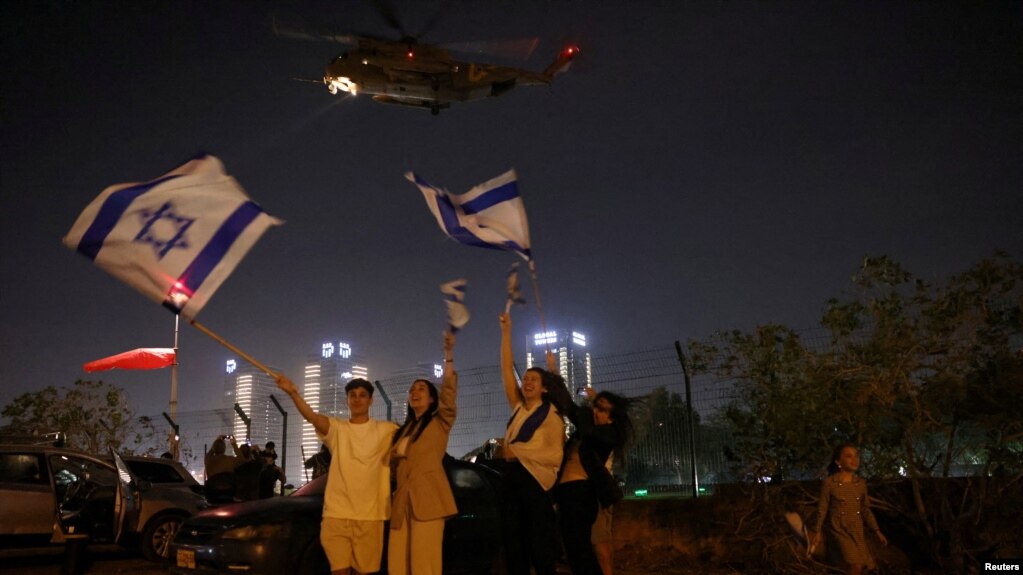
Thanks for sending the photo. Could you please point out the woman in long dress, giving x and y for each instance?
(843, 512)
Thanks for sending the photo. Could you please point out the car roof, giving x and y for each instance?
(105, 459)
(49, 449)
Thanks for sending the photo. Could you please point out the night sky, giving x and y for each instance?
(701, 167)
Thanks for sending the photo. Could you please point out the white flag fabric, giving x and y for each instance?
(491, 215)
(175, 238)
(454, 297)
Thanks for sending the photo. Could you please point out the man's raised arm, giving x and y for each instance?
(320, 422)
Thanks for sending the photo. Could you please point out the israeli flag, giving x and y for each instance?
(175, 238)
(491, 215)
(512, 285)
(454, 298)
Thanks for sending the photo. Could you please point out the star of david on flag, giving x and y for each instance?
(454, 296)
(175, 238)
(491, 215)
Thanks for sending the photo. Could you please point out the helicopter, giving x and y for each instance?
(406, 73)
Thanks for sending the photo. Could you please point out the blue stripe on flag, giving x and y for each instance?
(110, 213)
(197, 272)
(449, 214)
(491, 198)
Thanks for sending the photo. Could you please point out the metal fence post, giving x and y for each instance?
(284, 435)
(689, 412)
(245, 419)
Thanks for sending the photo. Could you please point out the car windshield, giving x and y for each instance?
(314, 487)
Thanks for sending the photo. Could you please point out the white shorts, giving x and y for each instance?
(352, 543)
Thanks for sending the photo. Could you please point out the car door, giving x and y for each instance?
(126, 505)
(85, 494)
(27, 495)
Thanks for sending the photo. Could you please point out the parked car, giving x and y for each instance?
(47, 493)
(282, 534)
(162, 472)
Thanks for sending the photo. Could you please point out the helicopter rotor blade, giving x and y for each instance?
(430, 24)
(296, 32)
(513, 49)
(391, 17)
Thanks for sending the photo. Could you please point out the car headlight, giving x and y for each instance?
(250, 532)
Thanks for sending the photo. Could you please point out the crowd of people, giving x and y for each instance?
(558, 491)
(554, 490)
(247, 473)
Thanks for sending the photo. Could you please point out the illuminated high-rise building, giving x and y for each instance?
(327, 372)
(569, 348)
(247, 391)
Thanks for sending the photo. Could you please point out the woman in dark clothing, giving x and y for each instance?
(584, 484)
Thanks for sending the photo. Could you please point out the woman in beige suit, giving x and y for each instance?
(423, 498)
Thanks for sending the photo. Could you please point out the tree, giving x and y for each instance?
(926, 379)
(94, 416)
(781, 423)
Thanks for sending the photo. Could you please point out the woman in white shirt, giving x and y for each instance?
(533, 449)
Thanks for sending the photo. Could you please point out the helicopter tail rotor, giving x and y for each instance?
(562, 62)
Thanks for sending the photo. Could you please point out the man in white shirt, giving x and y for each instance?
(357, 500)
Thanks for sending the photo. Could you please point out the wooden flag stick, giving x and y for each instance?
(231, 347)
(539, 306)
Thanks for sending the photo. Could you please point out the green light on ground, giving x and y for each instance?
(640, 493)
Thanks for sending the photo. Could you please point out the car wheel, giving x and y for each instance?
(157, 537)
(314, 561)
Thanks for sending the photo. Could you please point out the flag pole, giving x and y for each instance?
(175, 440)
(232, 347)
(539, 306)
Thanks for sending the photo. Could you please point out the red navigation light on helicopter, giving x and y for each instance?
(411, 54)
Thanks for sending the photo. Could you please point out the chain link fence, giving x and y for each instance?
(659, 461)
